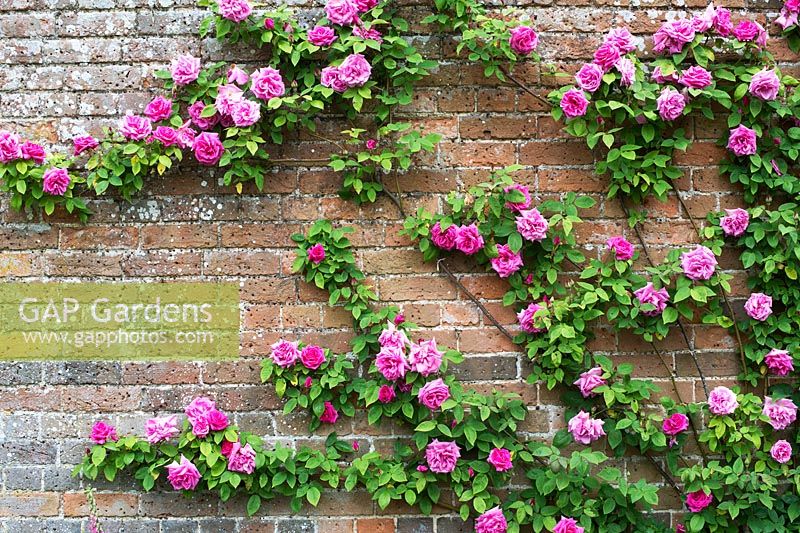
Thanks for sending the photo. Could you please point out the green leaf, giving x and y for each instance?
(253, 504)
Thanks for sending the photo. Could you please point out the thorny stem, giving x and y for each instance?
(522, 86)
(392, 196)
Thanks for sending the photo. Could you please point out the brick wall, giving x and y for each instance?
(72, 66)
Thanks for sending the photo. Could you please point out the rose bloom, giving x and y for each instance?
(237, 75)
(492, 521)
(722, 401)
(55, 181)
(355, 70)
(204, 123)
(574, 103)
(433, 394)
(442, 456)
(341, 12)
(758, 306)
(285, 353)
(695, 77)
(500, 459)
(446, 240)
(607, 55)
(623, 250)
(567, 525)
(532, 225)
(33, 152)
(722, 22)
(526, 318)
(267, 83)
(183, 475)
(386, 394)
(670, 104)
(103, 433)
(365, 5)
(185, 69)
(705, 21)
(659, 77)
(200, 427)
(162, 428)
(235, 10)
(269, 24)
(590, 380)
(518, 206)
(245, 113)
(135, 128)
(523, 40)
(80, 144)
(781, 412)
(371, 144)
(746, 30)
(627, 71)
(781, 451)
(330, 78)
(371, 33)
(207, 148)
(394, 338)
(312, 357)
(779, 362)
(425, 358)
(199, 408)
(241, 458)
(322, 36)
(10, 148)
(217, 420)
(584, 428)
(649, 295)
(698, 264)
(621, 38)
(186, 135)
(316, 254)
(506, 262)
(391, 363)
(589, 77)
(698, 500)
(742, 140)
(166, 135)
(469, 240)
(673, 35)
(765, 84)
(159, 108)
(735, 222)
(329, 414)
(675, 424)
(787, 18)
(228, 95)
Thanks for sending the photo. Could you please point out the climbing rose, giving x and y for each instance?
(185, 69)
(55, 181)
(649, 295)
(765, 84)
(623, 250)
(245, 113)
(79, 144)
(742, 140)
(159, 429)
(469, 240)
(267, 83)
(237, 75)
(506, 262)
(590, 380)
(698, 264)
(424, 357)
(241, 458)
(607, 55)
(747, 30)
(659, 77)
(492, 521)
(621, 38)
(217, 420)
(735, 222)
(204, 123)
(365, 5)
(705, 21)
(329, 414)
(391, 363)
(758, 306)
(135, 128)
(285, 353)
(33, 152)
(183, 475)
(442, 456)
(186, 135)
(523, 40)
(574, 103)
(386, 394)
(371, 144)
(10, 148)
(103, 433)
(500, 459)
(207, 148)
(567, 525)
(781, 412)
(584, 428)
(722, 401)
(526, 318)
(518, 206)
(312, 357)
(316, 254)
(722, 22)
(673, 425)
(228, 95)
(330, 78)
(342, 12)
(433, 394)
(698, 500)
(354, 70)
(322, 36)
(392, 337)
(673, 35)
(781, 451)
(627, 71)
(166, 135)
(199, 408)
(779, 362)
(788, 17)
(695, 77)
(446, 240)
(235, 10)
(670, 103)
(589, 77)
(532, 225)
(159, 108)
(371, 33)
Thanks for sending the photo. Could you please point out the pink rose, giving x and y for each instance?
(574, 103)
(722, 401)
(199, 408)
(623, 250)
(235, 10)
(786, 19)
(330, 78)
(567, 525)
(204, 123)
(245, 113)
(186, 136)
(746, 31)
(55, 181)
(322, 36)
(424, 357)
(207, 148)
(228, 95)
(492, 521)
(758, 306)
(308, 382)
(185, 69)
(523, 40)
(781, 412)
(590, 380)
(10, 148)
(217, 420)
(368, 34)
(506, 262)
(329, 414)
(80, 144)
(500, 459)
(135, 128)
(621, 38)
(433, 394)
(442, 456)
(103, 433)
(735, 222)
(355, 70)
(312, 357)
(742, 140)
(226, 448)
(365, 5)
(532, 225)
(779, 362)
(469, 240)
(695, 77)
(659, 77)
(422, 468)
(518, 206)
(705, 21)
(166, 135)
(163, 428)
(627, 71)
(670, 104)
(765, 84)
(722, 22)
(607, 55)
(648, 295)
(33, 152)
(391, 363)
(698, 264)
(526, 318)
(241, 458)
(781, 451)
(316, 254)
(285, 353)
(584, 428)
(673, 425)
(371, 144)
(673, 35)
(341, 12)
(393, 337)
(386, 394)
(159, 108)
(589, 77)
(445, 240)
(183, 475)
(698, 500)
(269, 24)
(267, 83)
(237, 75)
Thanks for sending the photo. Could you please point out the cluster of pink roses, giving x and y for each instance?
(13, 149)
(393, 362)
(204, 416)
(354, 71)
(465, 238)
(285, 354)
